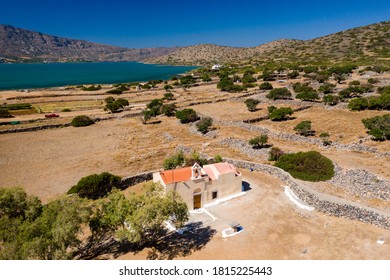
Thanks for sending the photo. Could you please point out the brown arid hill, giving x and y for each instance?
(19, 45)
(205, 54)
(368, 44)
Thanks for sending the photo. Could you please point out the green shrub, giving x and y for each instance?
(309, 95)
(248, 79)
(187, 80)
(193, 158)
(206, 78)
(174, 161)
(217, 159)
(299, 87)
(267, 76)
(187, 115)
(109, 99)
(4, 113)
(204, 124)
(384, 90)
(168, 96)
(326, 88)
(155, 107)
(354, 83)
(331, 100)
(113, 107)
(169, 110)
(66, 110)
(310, 69)
(307, 166)
(146, 116)
(304, 128)
(146, 86)
(96, 185)
(340, 70)
(275, 153)
(251, 104)
(81, 121)
(168, 87)
(378, 126)
(381, 102)
(227, 84)
(271, 109)
(325, 138)
(266, 86)
(91, 88)
(122, 87)
(115, 91)
(355, 90)
(293, 75)
(259, 141)
(15, 107)
(372, 81)
(122, 102)
(154, 103)
(280, 114)
(279, 93)
(358, 104)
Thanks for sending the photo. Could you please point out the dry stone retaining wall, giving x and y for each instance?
(362, 183)
(302, 139)
(136, 179)
(35, 128)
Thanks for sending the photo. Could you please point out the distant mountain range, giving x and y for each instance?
(19, 45)
(368, 43)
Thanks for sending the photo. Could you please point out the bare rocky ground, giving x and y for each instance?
(47, 163)
(274, 228)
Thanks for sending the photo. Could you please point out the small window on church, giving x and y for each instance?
(214, 195)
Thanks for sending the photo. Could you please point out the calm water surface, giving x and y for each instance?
(42, 75)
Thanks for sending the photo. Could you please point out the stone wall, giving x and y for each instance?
(302, 139)
(35, 128)
(324, 203)
(361, 183)
(136, 179)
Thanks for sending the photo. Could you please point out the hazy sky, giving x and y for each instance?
(182, 23)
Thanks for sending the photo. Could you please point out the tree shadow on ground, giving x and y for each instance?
(181, 245)
(265, 146)
(104, 248)
(153, 122)
(170, 246)
(246, 186)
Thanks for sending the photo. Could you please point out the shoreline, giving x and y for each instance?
(92, 76)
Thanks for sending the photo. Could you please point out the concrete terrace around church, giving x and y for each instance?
(199, 186)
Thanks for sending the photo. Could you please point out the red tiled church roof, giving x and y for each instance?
(176, 175)
(184, 174)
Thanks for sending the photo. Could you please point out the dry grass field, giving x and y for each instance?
(47, 163)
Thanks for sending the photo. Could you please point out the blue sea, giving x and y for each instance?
(43, 75)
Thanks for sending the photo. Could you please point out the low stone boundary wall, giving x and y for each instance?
(136, 179)
(256, 119)
(302, 139)
(333, 208)
(35, 128)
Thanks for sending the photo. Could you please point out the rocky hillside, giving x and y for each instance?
(18, 45)
(212, 54)
(367, 44)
